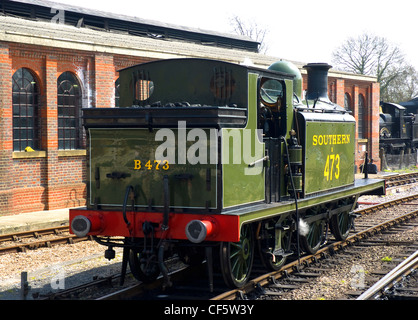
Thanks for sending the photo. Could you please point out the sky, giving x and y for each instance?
(301, 30)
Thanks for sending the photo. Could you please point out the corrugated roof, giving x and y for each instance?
(74, 15)
(42, 33)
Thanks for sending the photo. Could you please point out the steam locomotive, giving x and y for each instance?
(397, 127)
(209, 160)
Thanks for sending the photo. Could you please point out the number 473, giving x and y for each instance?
(332, 167)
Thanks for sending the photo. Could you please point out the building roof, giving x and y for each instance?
(44, 33)
(106, 21)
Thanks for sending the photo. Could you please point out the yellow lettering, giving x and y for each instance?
(157, 167)
(337, 166)
(330, 139)
(149, 165)
(166, 166)
(332, 167)
(326, 169)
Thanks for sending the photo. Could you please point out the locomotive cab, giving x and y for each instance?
(198, 132)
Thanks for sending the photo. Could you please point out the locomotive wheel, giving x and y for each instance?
(267, 243)
(144, 267)
(236, 258)
(340, 225)
(312, 241)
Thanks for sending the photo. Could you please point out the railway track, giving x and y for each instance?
(401, 179)
(400, 283)
(190, 283)
(29, 240)
(292, 276)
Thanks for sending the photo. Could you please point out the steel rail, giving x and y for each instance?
(401, 179)
(33, 233)
(387, 204)
(140, 288)
(403, 269)
(402, 176)
(43, 243)
(80, 288)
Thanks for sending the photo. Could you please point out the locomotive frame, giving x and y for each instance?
(244, 167)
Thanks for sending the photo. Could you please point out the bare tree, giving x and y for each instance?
(373, 55)
(403, 88)
(250, 29)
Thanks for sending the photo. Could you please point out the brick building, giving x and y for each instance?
(360, 95)
(55, 60)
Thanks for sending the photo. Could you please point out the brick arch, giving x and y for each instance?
(35, 68)
(73, 73)
(38, 75)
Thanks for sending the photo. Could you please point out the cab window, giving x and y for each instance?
(271, 92)
(271, 97)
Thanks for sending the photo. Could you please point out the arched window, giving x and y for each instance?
(25, 101)
(360, 118)
(69, 112)
(347, 102)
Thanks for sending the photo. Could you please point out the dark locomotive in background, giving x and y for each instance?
(215, 161)
(398, 125)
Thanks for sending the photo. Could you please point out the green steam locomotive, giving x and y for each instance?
(215, 161)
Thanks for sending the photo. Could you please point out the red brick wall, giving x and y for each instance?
(48, 181)
(29, 193)
(50, 138)
(6, 145)
(104, 84)
(53, 179)
(374, 122)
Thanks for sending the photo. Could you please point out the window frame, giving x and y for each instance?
(361, 114)
(25, 110)
(69, 102)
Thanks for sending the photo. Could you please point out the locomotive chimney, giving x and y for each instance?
(317, 81)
